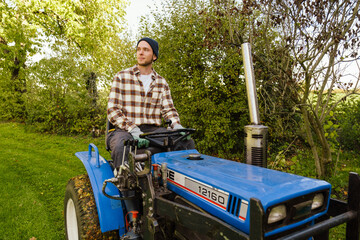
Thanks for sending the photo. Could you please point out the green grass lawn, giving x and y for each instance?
(34, 170)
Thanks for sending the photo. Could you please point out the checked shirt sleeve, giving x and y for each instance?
(168, 109)
(114, 109)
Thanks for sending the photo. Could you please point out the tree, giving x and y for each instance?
(318, 37)
(298, 48)
(25, 25)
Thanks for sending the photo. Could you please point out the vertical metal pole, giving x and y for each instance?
(255, 134)
(353, 226)
(250, 84)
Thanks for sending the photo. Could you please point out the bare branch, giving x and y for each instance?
(344, 31)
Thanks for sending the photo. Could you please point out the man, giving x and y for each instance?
(138, 100)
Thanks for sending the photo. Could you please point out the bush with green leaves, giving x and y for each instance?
(62, 97)
(202, 67)
(349, 122)
(200, 56)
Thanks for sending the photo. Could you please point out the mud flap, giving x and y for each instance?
(110, 211)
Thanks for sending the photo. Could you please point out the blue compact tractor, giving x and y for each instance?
(164, 194)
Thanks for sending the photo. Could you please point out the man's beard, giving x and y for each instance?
(146, 63)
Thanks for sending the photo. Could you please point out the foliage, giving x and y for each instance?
(349, 120)
(59, 99)
(297, 47)
(293, 158)
(84, 24)
(204, 36)
(91, 27)
(11, 102)
(202, 66)
(316, 36)
(331, 128)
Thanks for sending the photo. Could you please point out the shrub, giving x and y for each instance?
(60, 98)
(202, 68)
(349, 121)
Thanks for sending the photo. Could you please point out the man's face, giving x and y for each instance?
(144, 54)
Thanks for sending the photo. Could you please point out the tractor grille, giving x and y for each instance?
(234, 205)
(256, 145)
(257, 154)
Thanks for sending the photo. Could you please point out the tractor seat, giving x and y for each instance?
(109, 128)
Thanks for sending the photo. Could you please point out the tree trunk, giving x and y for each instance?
(326, 157)
(313, 125)
(320, 170)
(19, 84)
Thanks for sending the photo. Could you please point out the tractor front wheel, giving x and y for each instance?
(81, 217)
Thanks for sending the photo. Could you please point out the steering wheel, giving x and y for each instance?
(167, 139)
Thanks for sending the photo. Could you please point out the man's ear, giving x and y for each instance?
(154, 58)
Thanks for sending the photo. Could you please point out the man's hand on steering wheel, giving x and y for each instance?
(177, 127)
(142, 142)
(167, 139)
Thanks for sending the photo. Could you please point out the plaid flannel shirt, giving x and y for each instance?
(128, 106)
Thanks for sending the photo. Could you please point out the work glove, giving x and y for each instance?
(177, 127)
(142, 142)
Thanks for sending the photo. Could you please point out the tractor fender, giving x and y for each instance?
(110, 211)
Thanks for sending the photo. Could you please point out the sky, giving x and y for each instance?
(136, 10)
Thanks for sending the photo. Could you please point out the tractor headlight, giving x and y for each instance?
(318, 201)
(277, 213)
(296, 209)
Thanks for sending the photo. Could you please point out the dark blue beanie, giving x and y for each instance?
(153, 44)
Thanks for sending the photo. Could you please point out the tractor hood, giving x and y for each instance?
(213, 184)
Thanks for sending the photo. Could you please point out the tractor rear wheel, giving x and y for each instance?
(81, 217)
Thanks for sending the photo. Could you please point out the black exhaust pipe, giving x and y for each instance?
(255, 134)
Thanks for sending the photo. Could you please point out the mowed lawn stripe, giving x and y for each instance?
(34, 170)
